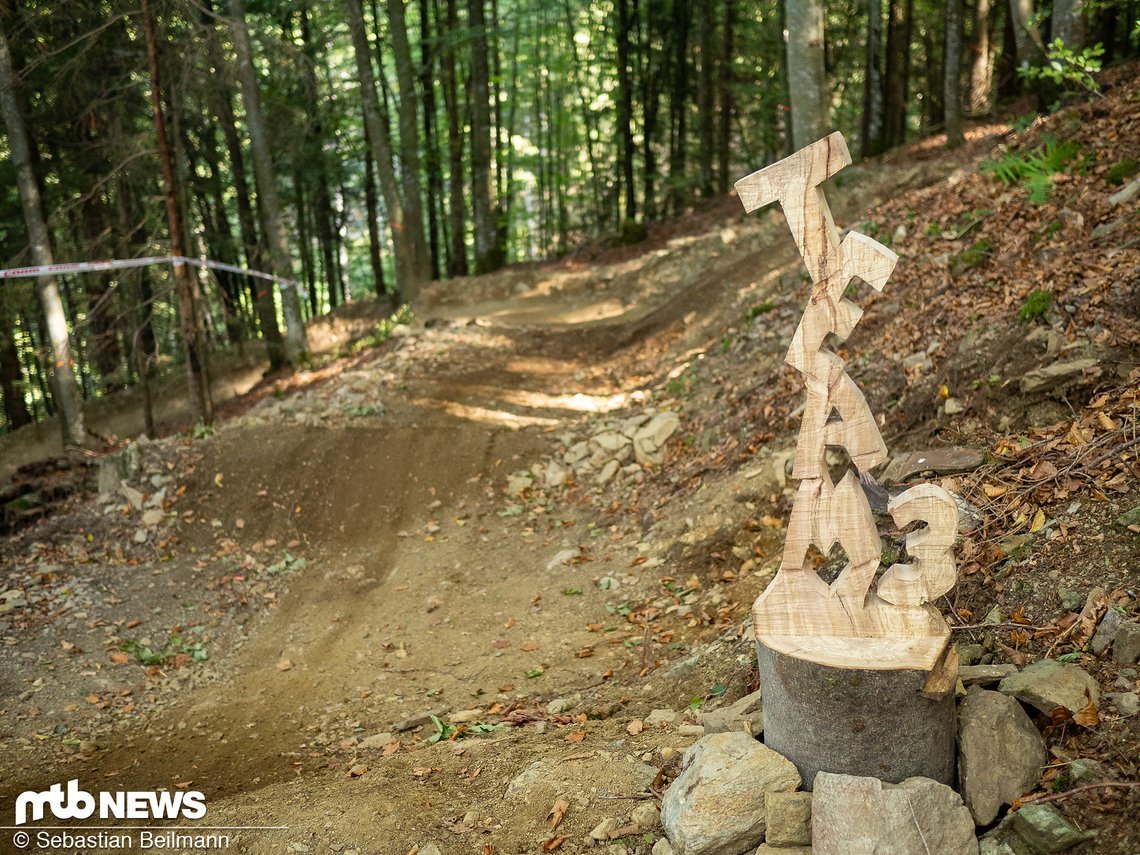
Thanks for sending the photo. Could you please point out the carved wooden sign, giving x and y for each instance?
(865, 620)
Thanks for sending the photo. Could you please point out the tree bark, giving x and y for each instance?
(431, 148)
(727, 58)
(951, 96)
(373, 222)
(1030, 48)
(806, 76)
(980, 100)
(378, 137)
(1069, 23)
(488, 253)
(296, 341)
(197, 376)
(64, 387)
(457, 249)
(11, 376)
(625, 107)
(678, 105)
(873, 129)
(705, 104)
(896, 78)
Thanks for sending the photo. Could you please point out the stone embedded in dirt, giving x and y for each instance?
(657, 718)
(376, 741)
(646, 816)
(662, 847)
(788, 819)
(118, 467)
(1106, 631)
(560, 705)
(746, 714)
(1126, 643)
(603, 829)
(562, 559)
(1127, 703)
(609, 470)
(518, 484)
(134, 497)
(1129, 192)
(649, 440)
(1000, 752)
(943, 461)
(1129, 518)
(418, 720)
(970, 654)
(1057, 374)
(690, 730)
(555, 474)
(1045, 830)
(985, 675)
(465, 716)
(544, 779)
(611, 440)
(864, 815)
(140, 536)
(429, 849)
(716, 805)
(953, 407)
(1049, 684)
(152, 517)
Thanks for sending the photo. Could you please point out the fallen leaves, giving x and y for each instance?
(557, 813)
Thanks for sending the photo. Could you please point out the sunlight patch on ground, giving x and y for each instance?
(500, 418)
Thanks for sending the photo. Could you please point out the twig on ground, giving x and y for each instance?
(1097, 785)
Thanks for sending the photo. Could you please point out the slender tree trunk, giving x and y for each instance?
(896, 79)
(727, 106)
(982, 62)
(705, 104)
(1030, 48)
(409, 141)
(305, 244)
(431, 148)
(1069, 23)
(296, 341)
(197, 377)
(11, 376)
(488, 253)
(952, 74)
(378, 137)
(679, 105)
(65, 389)
(371, 208)
(625, 107)
(650, 105)
(457, 250)
(805, 72)
(602, 216)
(872, 136)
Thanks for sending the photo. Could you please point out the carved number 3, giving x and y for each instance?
(933, 571)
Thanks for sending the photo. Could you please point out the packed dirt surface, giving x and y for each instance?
(453, 523)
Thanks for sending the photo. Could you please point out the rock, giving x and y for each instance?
(746, 715)
(1049, 684)
(577, 453)
(660, 717)
(1129, 518)
(465, 716)
(969, 654)
(602, 829)
(1071, 600)
(611, 441)
(561, 559)
(1057, 374)
(1045, 829)
(984, 675)
(788, 819)
(864, 816)
(953, 407)
(690, 730)
(1127, 703)
(140, 536)
(662, 847)
(1126, 644)
(1000, 753)
(609, 470)
(716, 805)
(1082, 770)
(153, 517)
(1106, 631)
(518, 484)
(646, 816)
(134, 497)
(118, 467)
(418, 720)
(559, 706)
(766, 849)
(649, 440)
(429, 849)
(376, 741)
(1127, 194)
(555, 474)
(543, 780)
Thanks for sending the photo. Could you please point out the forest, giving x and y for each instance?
(349, 150)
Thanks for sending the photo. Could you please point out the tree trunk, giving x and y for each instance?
(982, 64)
(805, 72)
(896, 78)
(296, 341)
(1030, 48)
(197, 376)
(625, 107)
(488, 253)
(872, 132)
(1069, 23)
(952, 65)
(457, 250)
(373, 222)
(11, 376)
(407, 277)
(705, 105)
(727, 59)
(679, 105)
(65, 389)
(409, 142)
(431, 148)
(651, 81)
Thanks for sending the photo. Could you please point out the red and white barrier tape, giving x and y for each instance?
(124, 263)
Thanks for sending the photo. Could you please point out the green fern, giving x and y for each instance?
(1035, 169)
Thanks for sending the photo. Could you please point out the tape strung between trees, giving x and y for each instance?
(858, 676)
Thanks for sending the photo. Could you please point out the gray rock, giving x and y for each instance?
(864, 816)
(1071, 600)
(1125, 195)
(418, 720)
(1127, 703)
(1000, 752)
(611, 440)
(1082, 770)
(1126, 644)
(559, 706)
(716, 805)
(602, 829)
(609, 470)
(745, 715)
(649, 440)
(1045, 830)
(118, 467)
(561, 559)
(555, 474)
(1106, 631)
(788, 818)
(662, 847)
(646, 816)
(1057, 374)
(1128, 518)
(969, 654)
(1049, 684)
(376, 741)
(766, 849)
(134, 497)
(984, 675)
(152, 517)
(660, 717)
(429, 849)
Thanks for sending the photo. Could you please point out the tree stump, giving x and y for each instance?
(858, 675)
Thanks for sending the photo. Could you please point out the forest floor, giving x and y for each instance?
(424, 527)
